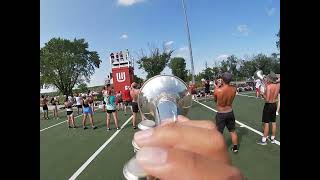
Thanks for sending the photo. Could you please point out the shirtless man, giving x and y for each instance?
(134, 94)
(44, 105)
(278, 107)
(224, 96)
(270, 107)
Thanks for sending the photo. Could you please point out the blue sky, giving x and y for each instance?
(218, 27)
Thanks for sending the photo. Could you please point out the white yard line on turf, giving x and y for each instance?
(60, 123)
(57, 124)
(240, 123)
(248, 96)
(248, 92)
(94, 155)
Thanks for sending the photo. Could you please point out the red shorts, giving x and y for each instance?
(258, 90)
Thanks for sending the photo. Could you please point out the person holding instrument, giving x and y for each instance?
(164, 155)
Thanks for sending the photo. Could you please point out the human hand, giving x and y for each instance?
(184, 150)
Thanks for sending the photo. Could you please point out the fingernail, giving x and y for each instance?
(143, 136)
(152, 156)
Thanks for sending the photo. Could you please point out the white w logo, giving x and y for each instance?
(121, 77)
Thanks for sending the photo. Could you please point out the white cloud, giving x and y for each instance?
(243, 29)
(181, 52)
(222, 57)
(129, 2)
(124, 36)
(168, 43)
(270, 11)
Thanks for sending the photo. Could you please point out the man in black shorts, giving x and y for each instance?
(270, 108)
(224, 96)
(134, 94)
(206, 89)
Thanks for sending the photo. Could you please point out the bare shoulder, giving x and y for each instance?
(217, 90)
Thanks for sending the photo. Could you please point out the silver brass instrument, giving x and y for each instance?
(259, 75)
(161, 98)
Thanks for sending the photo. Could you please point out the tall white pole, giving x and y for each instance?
(189, 40)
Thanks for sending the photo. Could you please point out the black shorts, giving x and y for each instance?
(45, 108)
(269, 112)
(135, 107)
(111, 111)
(226, 119)
(207, 91)
(69, 113)
(79, 106)
(126, 103)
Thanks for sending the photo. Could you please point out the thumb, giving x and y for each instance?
(175, 164)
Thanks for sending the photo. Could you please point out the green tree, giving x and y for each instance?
(65, 63)
(230, 65)
(137, 79)
(178, 68)
(263, 63)
(83, 88)
(208, 73)
(247, 68)
(154, 63)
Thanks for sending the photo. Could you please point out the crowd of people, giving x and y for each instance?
(85, 104)
(223, 95)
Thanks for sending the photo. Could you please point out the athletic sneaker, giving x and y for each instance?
(262, 143)
(277, 113)
(85, 128)
(108, 129)
(94, 127)
(74, 126)
(118, 128)
(70, 127)
(234, 150)
(134, 127)
(272, 141)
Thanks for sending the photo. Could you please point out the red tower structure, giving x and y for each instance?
(122, 70)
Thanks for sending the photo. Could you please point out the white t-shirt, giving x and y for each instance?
(78, 100)
(258, 83)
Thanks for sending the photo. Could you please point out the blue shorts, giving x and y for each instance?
(87, 110)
